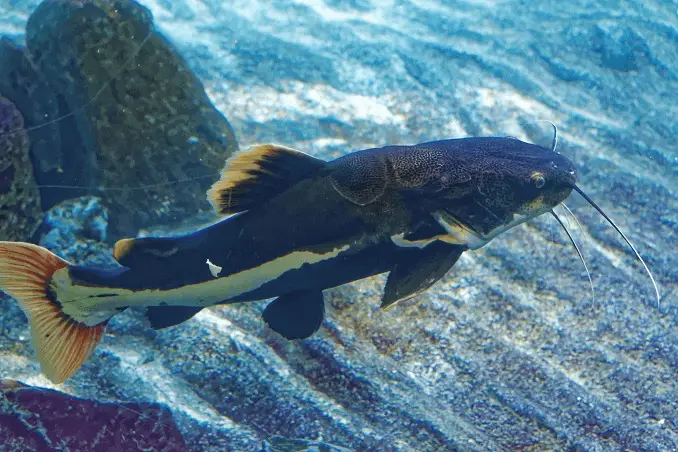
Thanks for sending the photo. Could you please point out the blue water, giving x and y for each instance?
(510, 351)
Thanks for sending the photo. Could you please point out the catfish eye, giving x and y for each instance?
(538, 180)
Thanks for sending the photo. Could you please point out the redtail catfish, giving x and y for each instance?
(295, 225)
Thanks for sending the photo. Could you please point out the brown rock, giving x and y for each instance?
(141, 116)
(20, 212)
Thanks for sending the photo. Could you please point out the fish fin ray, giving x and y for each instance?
(419, 270)
(426, 229)
(253, 176)
(296, 315)
(62, 344)
(165, 316)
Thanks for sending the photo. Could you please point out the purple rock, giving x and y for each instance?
(44, 419)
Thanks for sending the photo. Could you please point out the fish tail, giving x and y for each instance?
(61, 343)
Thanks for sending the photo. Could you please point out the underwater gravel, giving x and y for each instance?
(509, 351)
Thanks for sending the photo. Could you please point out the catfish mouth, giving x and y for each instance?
(464, 233)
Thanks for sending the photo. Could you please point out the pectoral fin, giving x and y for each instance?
(423, 234)
(418, 270)
(296, 315)
(427, 228)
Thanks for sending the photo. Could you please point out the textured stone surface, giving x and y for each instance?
(282, 444)
(76, 229)
(20, 212)
(39, 104)
(142, 115)
(129, 110)
(509, 351)
(43, 419)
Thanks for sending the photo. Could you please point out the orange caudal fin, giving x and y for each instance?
(61, 343)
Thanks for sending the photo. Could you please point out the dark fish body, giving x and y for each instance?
(297, 226)
(287, 223)
(313, 215)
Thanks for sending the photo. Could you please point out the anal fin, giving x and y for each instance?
(296, 315)
(418, 270)
(165, 316)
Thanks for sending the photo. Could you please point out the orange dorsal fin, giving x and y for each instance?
(252, 177)
(61, 343)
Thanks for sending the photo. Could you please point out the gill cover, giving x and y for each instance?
(360, 177)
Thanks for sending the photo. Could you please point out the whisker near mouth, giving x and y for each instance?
(576, 220)
(581, 256)
(609, 220)
(569, 211)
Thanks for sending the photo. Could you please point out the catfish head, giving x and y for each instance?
(475, 188)
(508, 182)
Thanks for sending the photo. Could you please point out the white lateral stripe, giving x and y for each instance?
(80, 303)
(226, 287)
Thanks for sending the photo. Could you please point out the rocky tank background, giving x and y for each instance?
(508, 352)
